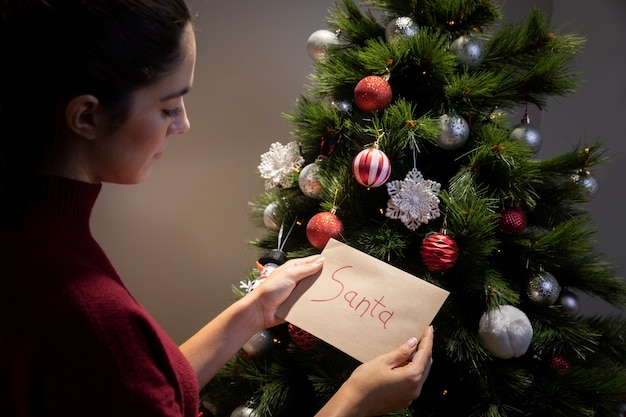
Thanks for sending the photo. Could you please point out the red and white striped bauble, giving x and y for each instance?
(371, 167)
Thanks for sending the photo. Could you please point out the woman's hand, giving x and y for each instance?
(386, 383)
(209, 349)
(281, 282)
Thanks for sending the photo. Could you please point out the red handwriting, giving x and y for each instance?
(366, 306)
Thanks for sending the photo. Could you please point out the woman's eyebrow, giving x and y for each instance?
(176, 94)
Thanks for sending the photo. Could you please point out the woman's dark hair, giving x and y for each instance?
(54, 50)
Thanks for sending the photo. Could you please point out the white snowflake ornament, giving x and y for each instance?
(280, 161)
(414, 200)
(249, 285)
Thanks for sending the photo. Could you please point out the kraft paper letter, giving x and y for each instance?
(360, 304)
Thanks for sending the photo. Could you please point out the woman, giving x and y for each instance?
(91, 92)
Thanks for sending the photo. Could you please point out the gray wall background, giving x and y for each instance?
(179, 239)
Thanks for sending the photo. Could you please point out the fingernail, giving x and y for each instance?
(319, 260)
(412, 343)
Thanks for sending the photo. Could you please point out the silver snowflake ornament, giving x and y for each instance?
(414, 200)
(278, 163)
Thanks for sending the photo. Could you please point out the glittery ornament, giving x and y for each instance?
(453, 132)
(528, 133)
(559, 364)
(302, 338)
(512, 221)
(259, 344)
(319, 42)
(439, 252)
(587, 181)
(371, 167)
(505, 332)
(269, 216)
(569, 302)
(243, 411)
(543, 289)
(309, 180)
(322, 227)
(468, 51)
(372, 94)
(401, 27)
(342, 106)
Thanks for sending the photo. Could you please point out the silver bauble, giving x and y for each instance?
(569, 302)
(309, 180)
(269, 216)
(468, 51)
(243, 411)
(454, 132)
(588, 182)
(401, 27)
(591, 186)
(259, 344)
(543, 289)
(318, 43)
(528, 133)
(342, 106)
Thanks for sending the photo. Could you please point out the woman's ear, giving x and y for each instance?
(81, 115)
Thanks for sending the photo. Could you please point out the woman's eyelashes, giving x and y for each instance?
(175, 112)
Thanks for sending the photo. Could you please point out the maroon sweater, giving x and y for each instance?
(73, 340)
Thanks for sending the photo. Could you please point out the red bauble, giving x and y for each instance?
(371, 167)
(512, 221)
(302, 338)
(559, 363)
(322, 227)
(439, 252)
(372, 94)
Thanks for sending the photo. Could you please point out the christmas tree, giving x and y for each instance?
(409, 145)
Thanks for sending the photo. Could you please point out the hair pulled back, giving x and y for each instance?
(54, 50)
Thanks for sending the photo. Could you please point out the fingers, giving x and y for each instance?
(301, 268)
(423, 359)
(407, 352)
(423, 356)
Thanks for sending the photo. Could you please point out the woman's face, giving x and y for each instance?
(126, 154)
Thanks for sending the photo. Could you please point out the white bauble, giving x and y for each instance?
(505, 332)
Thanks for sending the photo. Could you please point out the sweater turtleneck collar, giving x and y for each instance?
(69, 201)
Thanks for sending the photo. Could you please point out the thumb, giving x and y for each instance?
(402, 354)
(407, 351)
